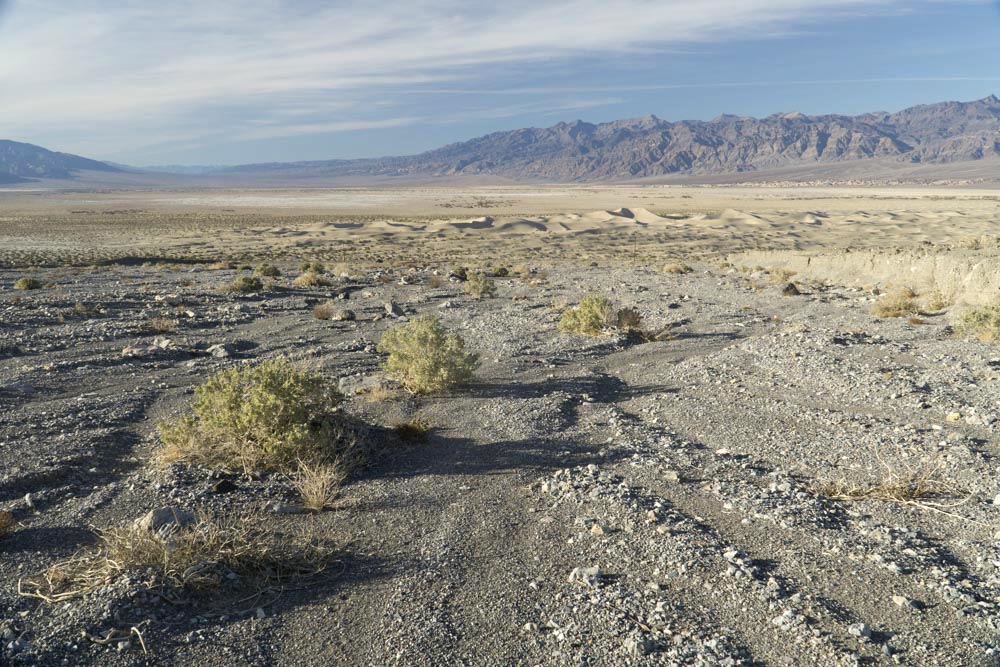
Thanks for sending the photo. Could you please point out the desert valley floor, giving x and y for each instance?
(716, 491)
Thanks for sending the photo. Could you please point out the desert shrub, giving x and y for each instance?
(461, 273)
(222, 265)
(246, 284)
(414, 430)
(424, 357)
(677, 268)
(628, 320)
(588, 318)
(263, 417)
(197, 557)
(981, 323)
(161, 325)
(436, 282)
(318, 484)
(28, 283)
(267, 271)
(311, 279)
(312, 267)
(780, 275)
(324, 311)
(7, 523)
(501, 272)
(480, 286)
(936, 301)
(897, 303)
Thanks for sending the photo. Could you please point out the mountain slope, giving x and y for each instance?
(648, 146)
(21, 161)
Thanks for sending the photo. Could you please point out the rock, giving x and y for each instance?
(638, 646)
(860, 630)
(596, 529)
(392, 309)
(166, 520)
(344, 316)
(671, 476)
(790, 290)
(952, 417)
(221, 350)
(278, 507)
(588, 576)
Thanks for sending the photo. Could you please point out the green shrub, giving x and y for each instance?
(246, 284)
(312, 267)
(264, 417)
(588, 318)
(267, 271)
(981, 323)
(480, 286)
(28, 283)
(424, 357)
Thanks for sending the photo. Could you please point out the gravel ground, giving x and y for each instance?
(586, 501)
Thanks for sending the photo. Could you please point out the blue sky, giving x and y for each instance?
(236, 81)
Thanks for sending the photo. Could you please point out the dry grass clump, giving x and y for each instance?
(324, 311)
(897, 303)
(425, 358)
(937, 301)
(380, 393)
(588, 318)
(198, 557)
(414, 430)
(780, 275)
(480, 286)
(312, 267)
(983, 324)
(628, 320)
(264, 417)
(436, 282)
(318, 484)
(267, 271)
(28, 283)
(311, 279)
(161, 325)
(7, 523)
(245, 284)
(677, 268)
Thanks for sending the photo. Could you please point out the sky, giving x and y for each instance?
(213, 82)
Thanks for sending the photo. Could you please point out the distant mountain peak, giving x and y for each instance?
(20, 161)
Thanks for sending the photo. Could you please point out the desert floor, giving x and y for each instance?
(610, 500)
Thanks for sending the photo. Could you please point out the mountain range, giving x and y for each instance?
(932, 134)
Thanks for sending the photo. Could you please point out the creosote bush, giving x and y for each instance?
(28, 283)
(267, 416)
(312, 267)
(245, 284)
(425, 358)
(162, 325)
(897, 303)
(480, 286)
(588, 318)
(267, 271)
(982, 324)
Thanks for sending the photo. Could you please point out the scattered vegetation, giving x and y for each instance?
(193, 558)
(480, 286)
(267, 271)
(324, 311)
(318, 484)
(311, 279)
(937, 301)
(780, 275)
(28, 283)
(677, 268)
(588, 318)
(161, 325)
(896, 303)
(983, 324)
(414, 430)
(425, 358)
(264, 417)
(222, 265)
(245, 284)
(312, 267)
(7, 523)
(436, 282)
(628, 320)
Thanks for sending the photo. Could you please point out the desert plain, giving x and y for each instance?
(768, 473)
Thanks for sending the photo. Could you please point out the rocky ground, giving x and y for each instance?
(586, 501)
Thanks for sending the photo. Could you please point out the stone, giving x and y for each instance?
(224, 486)
(596, 529)
(220, 350)
(790, 290)
(588, 576)
(671, 476)
(344, 316)
(166, 520)
(392, 309)
(860, 630)
(952, 417)
(278, 507)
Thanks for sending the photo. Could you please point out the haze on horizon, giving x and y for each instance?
(228, 82)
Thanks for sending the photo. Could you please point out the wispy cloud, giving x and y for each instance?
(117, 74)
